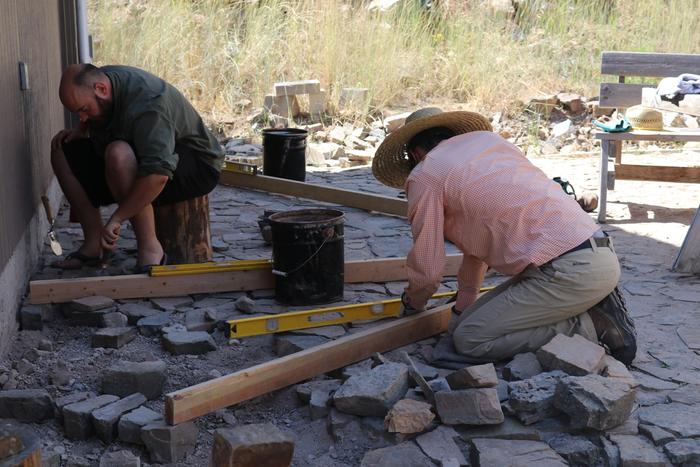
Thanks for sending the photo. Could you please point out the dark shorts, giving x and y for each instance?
(192, 178)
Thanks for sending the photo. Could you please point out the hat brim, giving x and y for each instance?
(390, 164)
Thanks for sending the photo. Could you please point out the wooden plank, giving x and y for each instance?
(657, 173)
(620, 95)
(228, 390)
(351, 198)
(144, 286)
(688, 259)
(658, 65)
(644, 135)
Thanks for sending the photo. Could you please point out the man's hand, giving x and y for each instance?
(66, 136)
(110, 234)
(406, 308)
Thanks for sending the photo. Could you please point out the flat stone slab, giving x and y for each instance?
(440, 445)
(679, 419)
(77, 418)
(574, 355)
(93, 303)
(113, 338)
(533, 399)
(304, 390)
(478, 406)
(26, 405)
(130, 424)
(636, 451)
(106, 418)
(372, 393)
(135, 311)
(689, 395)
(167, 443)
(523, 366)
(152, 325)
(684, 451)
(577, 450)
(125, 378)
(515, 453)
(120, 459)
(477, 376)
(511, 428)
(188, 343)
(595, 401)
(172, 303)
(251, 445)
(405, 454)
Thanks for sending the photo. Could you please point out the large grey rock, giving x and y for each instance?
(469, 406)
(409, 416)
(511, 428)
(523, 366)
(260, 444)
(130, 424)
(106, 418)
(120, 459)
(167, 443)
(114, 338)
(680, 419)
(533, 399)
(405, 454)
(152, 325)
(124, 378)
(574, 355)
(188, 343)
(304, 390)
(440, 445)
(684, 451)
(577, 450)
(594, 401)
(514, 453)
(636, 451)
(477, 376)
(61, 402)
(93, 303)
(77, 418)
(200, 320)
(373, 392)
(26, 405)
(135, 311)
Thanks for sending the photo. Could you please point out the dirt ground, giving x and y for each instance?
(647, 220)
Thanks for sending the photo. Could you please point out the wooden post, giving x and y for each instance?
(183, 230)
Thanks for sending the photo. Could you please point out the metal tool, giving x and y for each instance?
(241, 167)
(296, 320)
(53, 241)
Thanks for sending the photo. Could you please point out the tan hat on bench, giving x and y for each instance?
(645, 118)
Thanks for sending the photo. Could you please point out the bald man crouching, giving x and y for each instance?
(139, 144)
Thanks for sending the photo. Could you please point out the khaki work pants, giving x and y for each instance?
(525, 312)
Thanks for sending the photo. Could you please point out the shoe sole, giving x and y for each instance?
(622, 322)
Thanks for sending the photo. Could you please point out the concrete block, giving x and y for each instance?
(374, 392)
(113, 338)
(291, 88)
(77, 417)
(125, 378)
(105, 419)
(477, 376)
(353, 99)
(283, 106)
(130, 424)
(167, 443)
(26, 405)
(574, 355)
(469, 406)
(252, 446)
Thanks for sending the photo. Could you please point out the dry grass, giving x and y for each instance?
(220, 53)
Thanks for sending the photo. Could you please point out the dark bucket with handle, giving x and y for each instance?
(284, 153)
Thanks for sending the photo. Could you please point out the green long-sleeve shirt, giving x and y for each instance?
(155, 119)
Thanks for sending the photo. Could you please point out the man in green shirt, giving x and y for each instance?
(139, 143)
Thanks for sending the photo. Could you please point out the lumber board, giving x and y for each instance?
(657, 173)
(688, 259)
(620, 95)
(201, 399)
(351, 198)
(145, 286)
(659, 65)
(647, 135)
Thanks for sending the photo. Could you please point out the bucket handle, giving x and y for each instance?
(328, 233)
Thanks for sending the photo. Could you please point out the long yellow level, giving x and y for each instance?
(205, 268)
(296, 320)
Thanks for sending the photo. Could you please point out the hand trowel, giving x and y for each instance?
(53, 242)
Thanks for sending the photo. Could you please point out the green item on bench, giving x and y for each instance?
(566, 186)
(610, 125)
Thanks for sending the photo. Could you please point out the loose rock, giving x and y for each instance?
(252, 446)
(409, 416)
(106, 418)
(26, 405)
(93, 303)
(114, 338)
(169, 443)
(440, 446)
(523, 366)
(405, 454)
(577, 450)
(469, 406)
(533, 399)
(515, 453)
(574, 355)
(304, 390)
(478, 376)
(684, 451)
(374, 392)
(125, 378)
(152, 325)
(191, 343)
(129, 426)
(120, 459)
(638, 452)
(680, 419)
(77, 417)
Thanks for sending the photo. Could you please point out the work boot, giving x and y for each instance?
(615, 327)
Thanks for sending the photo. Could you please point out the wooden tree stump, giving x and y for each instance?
(183, 230)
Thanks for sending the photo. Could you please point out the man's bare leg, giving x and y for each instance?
(121, 166)
(87, 214)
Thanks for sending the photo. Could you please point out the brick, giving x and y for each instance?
(574, 355)
(291, 88)
(167, 443)
(105, 419)
(129, 426)
(77, 417)
(125, 378)
(26, 405)
(284, 106)
(353, 98)
(252, 446)
(469, 406)
(61, 402)
(113, 338)
(478, 376)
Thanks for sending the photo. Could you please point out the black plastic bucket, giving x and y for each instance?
(308, 258)
(284, 153)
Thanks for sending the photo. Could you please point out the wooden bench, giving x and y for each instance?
(622, 95)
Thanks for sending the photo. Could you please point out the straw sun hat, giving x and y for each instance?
(391, 164)
(645, 118)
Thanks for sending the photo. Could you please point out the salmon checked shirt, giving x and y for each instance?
(481, 193)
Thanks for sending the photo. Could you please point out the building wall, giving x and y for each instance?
(33, 32)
